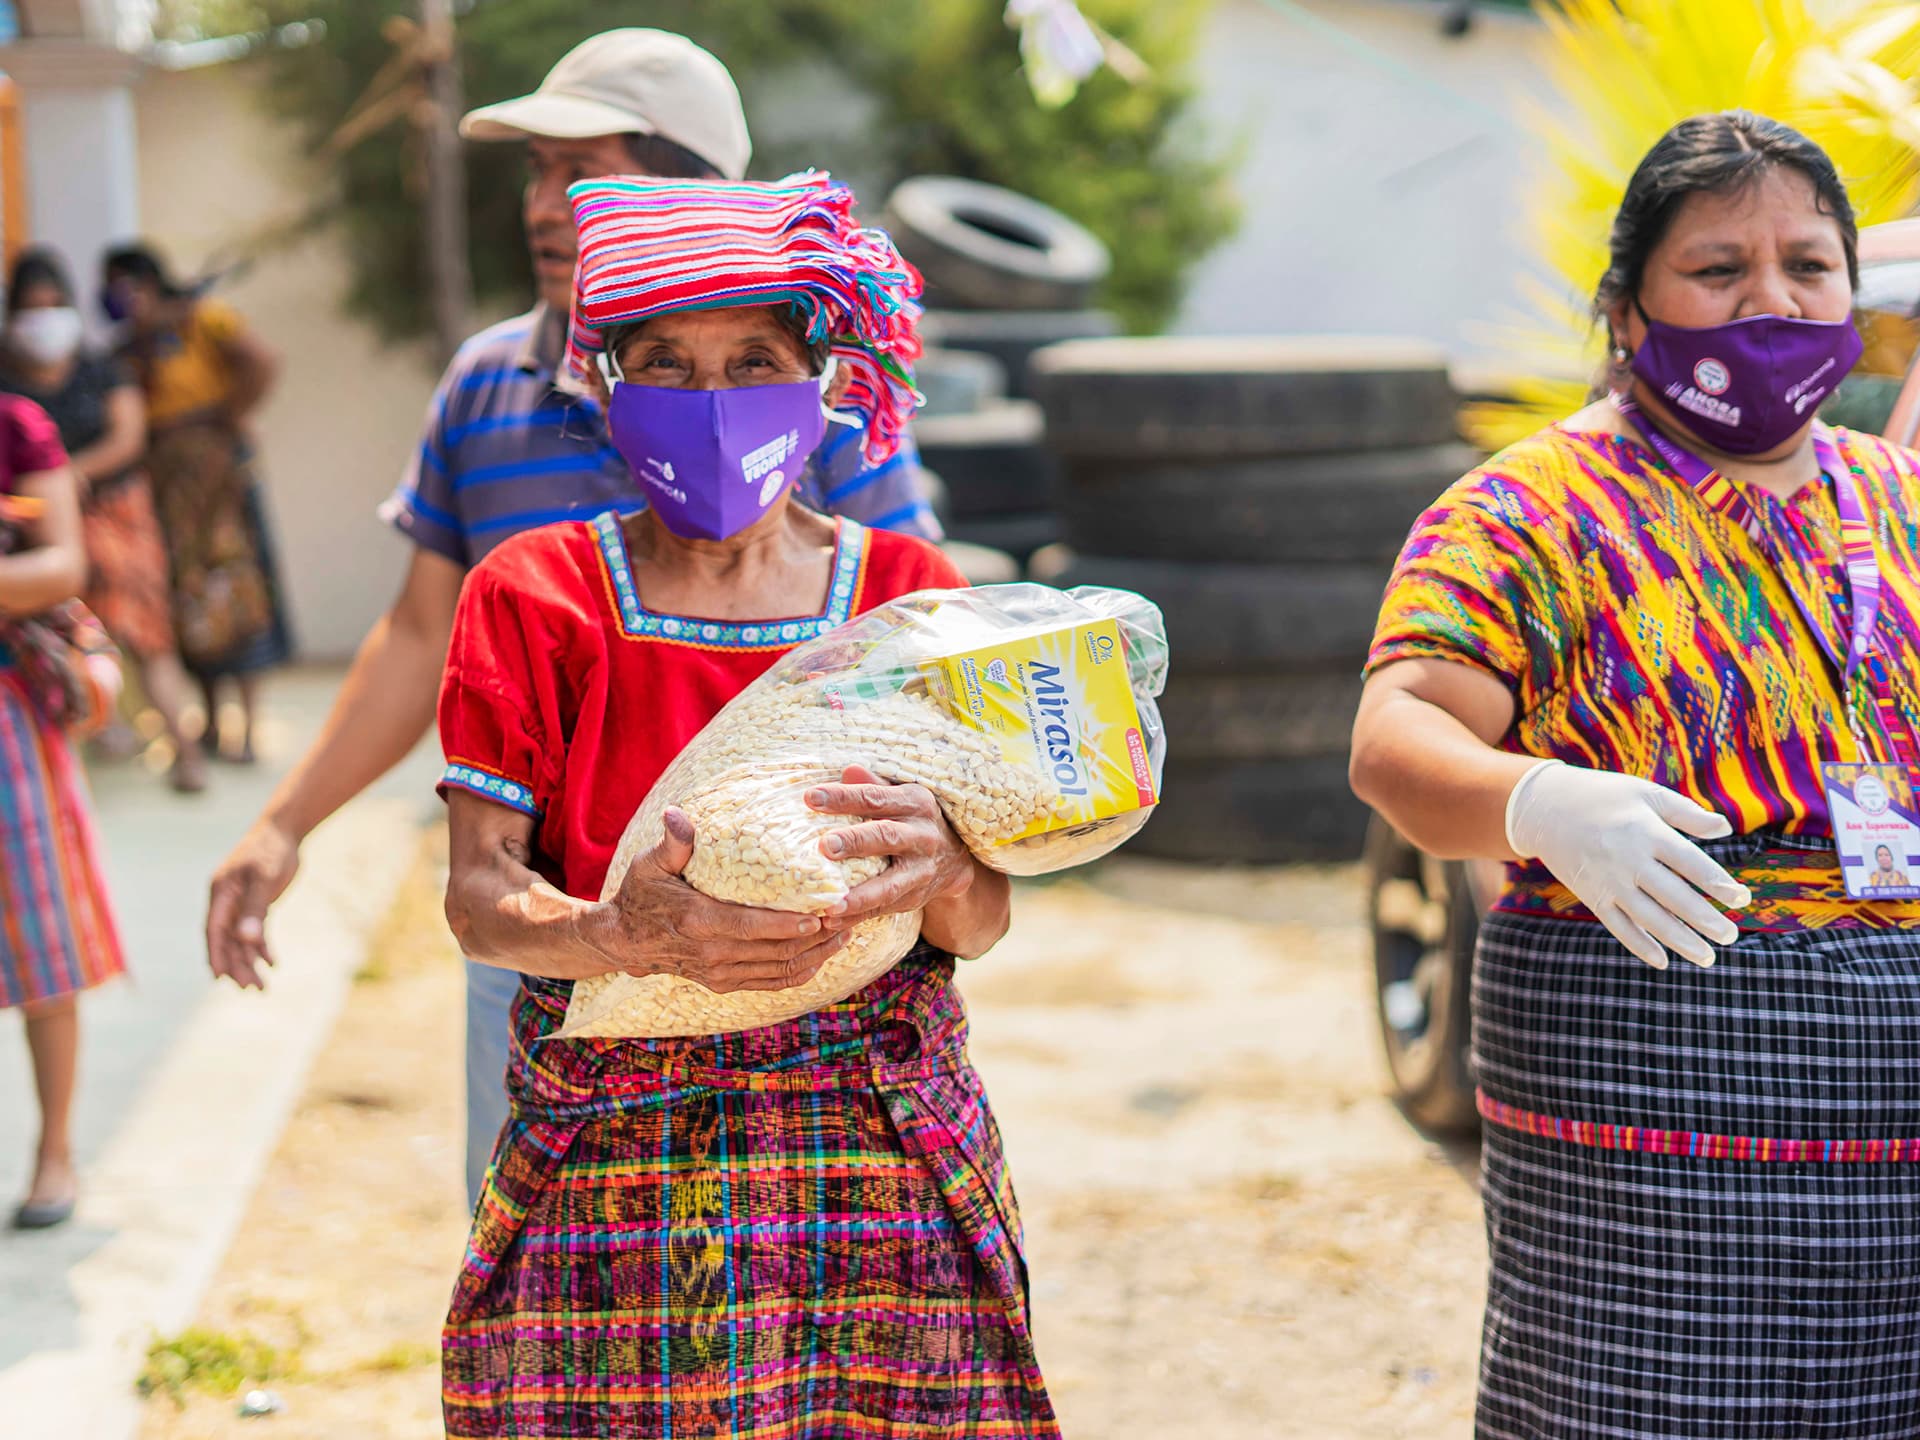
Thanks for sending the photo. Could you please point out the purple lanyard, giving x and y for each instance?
(1856, 544)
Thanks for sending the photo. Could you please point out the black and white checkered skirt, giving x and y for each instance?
(1661, 1296)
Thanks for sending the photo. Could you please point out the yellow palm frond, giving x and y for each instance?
(1625, 72)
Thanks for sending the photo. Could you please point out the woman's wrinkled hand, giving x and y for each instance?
(658, 924)
(902, 824)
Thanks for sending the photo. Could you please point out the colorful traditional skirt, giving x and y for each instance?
(227, 609)
(803, 1232)
(128, 587)
(1702, 1195)
(57, 932)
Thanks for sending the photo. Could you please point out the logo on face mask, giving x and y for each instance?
(1809, 390)
(776, 482)
(1712, 376)
(1705, 406)
(769, 457)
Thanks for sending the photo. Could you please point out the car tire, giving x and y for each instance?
(1275, 716)
(958, 382)
(994, 462)
(980, 247)
(980, 564)
(1255, 812)
(1190, 398)
(1021, 536)
(1014, 337)
(1425, 926)
(1240, 618)
(1353, 506)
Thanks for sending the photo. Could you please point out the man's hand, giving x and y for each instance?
(248, 881)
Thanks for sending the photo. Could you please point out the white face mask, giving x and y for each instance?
(46, 337)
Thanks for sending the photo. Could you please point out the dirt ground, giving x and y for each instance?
(1231, 1233)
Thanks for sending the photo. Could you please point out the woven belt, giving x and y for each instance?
(1694, 1144)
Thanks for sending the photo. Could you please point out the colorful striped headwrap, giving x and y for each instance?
(650, 247)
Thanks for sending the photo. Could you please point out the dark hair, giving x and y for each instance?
(142, 263)
(665, 160)
(791, 319)
(39, 266)
(1713, 155)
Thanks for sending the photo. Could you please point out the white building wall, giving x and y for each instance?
(1384, 173)
(83, 172)
(338, 430)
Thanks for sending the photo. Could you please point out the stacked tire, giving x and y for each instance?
(1006, 277)
(1258, 490)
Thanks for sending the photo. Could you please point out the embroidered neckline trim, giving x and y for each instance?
(644, 624)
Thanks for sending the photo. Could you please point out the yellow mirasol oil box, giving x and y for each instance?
(1059, 699)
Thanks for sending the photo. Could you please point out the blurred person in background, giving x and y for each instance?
(205, 375)
(1622, 656)
(57, 931)
(102, 418)
(504, 451)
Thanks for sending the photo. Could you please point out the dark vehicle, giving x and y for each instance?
(1425, 913)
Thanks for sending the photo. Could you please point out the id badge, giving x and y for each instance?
(1876, 828)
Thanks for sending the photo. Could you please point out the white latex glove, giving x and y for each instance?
(1617, 843)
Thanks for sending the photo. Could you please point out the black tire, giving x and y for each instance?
(958, 382)
(1338, 507)
(980, 564)
(993, 463)
(1190, 398)
(1013, 337)
(1425, 925)
(1019, 535)
(1260, 812)
(984, 248)
(1242, 617)
(1216, 716)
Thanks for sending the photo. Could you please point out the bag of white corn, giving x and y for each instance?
(1027, 711)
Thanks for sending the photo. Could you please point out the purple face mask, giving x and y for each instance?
(1748, 386)
(713, 461)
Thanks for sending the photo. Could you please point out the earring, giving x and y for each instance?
(1621, 355)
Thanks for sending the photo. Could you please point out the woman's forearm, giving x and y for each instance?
(970, 922)
(36, 579)
(504, 914)
(1442, 786)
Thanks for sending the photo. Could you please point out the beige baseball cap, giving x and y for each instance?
(621, 82)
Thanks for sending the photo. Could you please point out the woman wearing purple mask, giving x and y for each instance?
(803, 1230)
(1643, 657)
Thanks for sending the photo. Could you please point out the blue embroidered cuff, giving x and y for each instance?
(497, 788)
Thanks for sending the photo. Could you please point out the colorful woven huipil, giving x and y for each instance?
(1703, 1201)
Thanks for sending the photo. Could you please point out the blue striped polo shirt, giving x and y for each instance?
(506, 451)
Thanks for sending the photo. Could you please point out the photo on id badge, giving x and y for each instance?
(1876, 829)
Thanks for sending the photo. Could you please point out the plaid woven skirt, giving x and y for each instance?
(57, 930)
(1644, 1281)
(803, 1232)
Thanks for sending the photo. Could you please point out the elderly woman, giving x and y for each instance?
(804, 1230)
(102, 419)
(1621, 657)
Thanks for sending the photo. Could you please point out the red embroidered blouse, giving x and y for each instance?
(564, 698)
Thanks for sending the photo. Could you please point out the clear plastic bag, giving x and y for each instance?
(1027, 711)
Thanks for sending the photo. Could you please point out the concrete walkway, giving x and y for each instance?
(183, 1087)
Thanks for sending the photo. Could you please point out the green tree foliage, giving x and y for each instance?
(928, 86)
